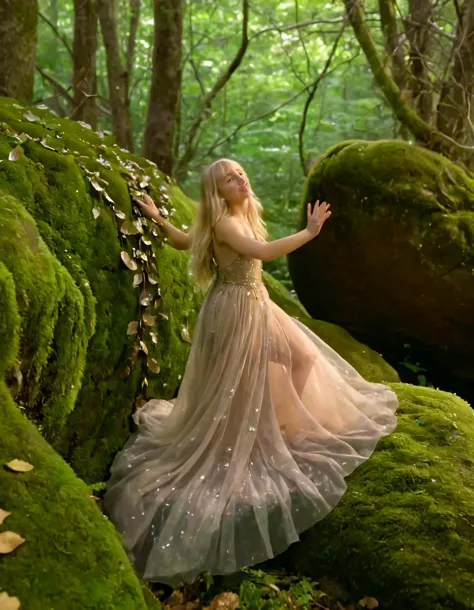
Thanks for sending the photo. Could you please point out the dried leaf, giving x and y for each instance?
(96, 212)
(9, 541)
(43, 143)
(84, 124)
(132, 328)
(143, 347)
(185, 335)
(3, 515)
(125, 373)
(163, 315)
(129, 227)
(120, 214)
(146, 298)
(149, 319)
(145, 181)
(29, 116)
(153, 365)
(14, 154)
(19, 466)
(146, 241)
(154, 338)
(8, 603)
(109, 198)
(225, 601)
(129, 261)
(369, 602)
(137, 279)
(152, 280)
(96, 185)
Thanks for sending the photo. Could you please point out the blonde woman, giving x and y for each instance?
(268, 419)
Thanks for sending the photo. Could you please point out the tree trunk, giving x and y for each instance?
(418, 34)
(165, 84)
(84, 78)
(456, 105)
(18, 24)
(116, 74)
(392, 42)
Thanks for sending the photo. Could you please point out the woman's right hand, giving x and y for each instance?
(317, 217)
(149, 208)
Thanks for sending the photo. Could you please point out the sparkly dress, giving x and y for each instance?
(254, 449)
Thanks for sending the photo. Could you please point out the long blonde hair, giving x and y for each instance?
(211, 208)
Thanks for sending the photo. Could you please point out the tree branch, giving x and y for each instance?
(204, 110)
(311, 95)
(56, 32)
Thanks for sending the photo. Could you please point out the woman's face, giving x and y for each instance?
(234, 185)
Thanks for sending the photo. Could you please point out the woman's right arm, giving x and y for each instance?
(230, 232)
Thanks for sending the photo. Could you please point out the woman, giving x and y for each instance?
(268, 419)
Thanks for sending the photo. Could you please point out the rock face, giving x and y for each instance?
(72, 557)
(404, 531)
(65, 218)
(394, 263)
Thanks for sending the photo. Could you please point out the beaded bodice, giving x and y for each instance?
(242, 270)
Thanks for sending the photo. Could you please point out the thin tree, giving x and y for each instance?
(84, 78)
(18, 27)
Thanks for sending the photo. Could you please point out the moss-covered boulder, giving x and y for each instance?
(394, 263)
(366, 361)
(65, 219)
(72, 557)
(404, 530)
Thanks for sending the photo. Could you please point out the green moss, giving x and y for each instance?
(393, 179)
(404, 531)
(72, 557)
(366, 361)
(54, 187)
(9, 319)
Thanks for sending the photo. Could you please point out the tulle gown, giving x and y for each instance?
(254, 449)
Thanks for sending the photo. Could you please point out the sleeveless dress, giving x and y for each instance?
(254, 449)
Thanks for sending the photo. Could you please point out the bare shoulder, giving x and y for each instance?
(225, 226)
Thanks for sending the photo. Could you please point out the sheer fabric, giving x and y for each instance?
(267, 423)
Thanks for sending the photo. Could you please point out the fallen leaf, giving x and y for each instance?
(225, 601)
(369, 602)
(8, 603)
(14, 154)
(145, 298)
(120, 214)
(137, 279)
(185, 335)
(9, 541)
(96, 185)
(19, 466)
(153, 365)
(129, 261)
(154, 338)
(3, 515)
(43, 143)
(149, 319)
(143, 347)
(152, 280)
(125, 373)
(163, 315)
(132, 328)
(96, 212)
(31, 117)
(129, 227)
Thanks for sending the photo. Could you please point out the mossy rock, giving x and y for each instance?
(394, 263)
(366, 361)
(404, 530)
(72, 557)
(60, 244)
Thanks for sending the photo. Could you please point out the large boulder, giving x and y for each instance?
(72, 557)
(394, 263)
(65, 218)
(366, 361)
(404, 530)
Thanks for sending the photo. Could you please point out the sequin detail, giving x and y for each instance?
(243, 271)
